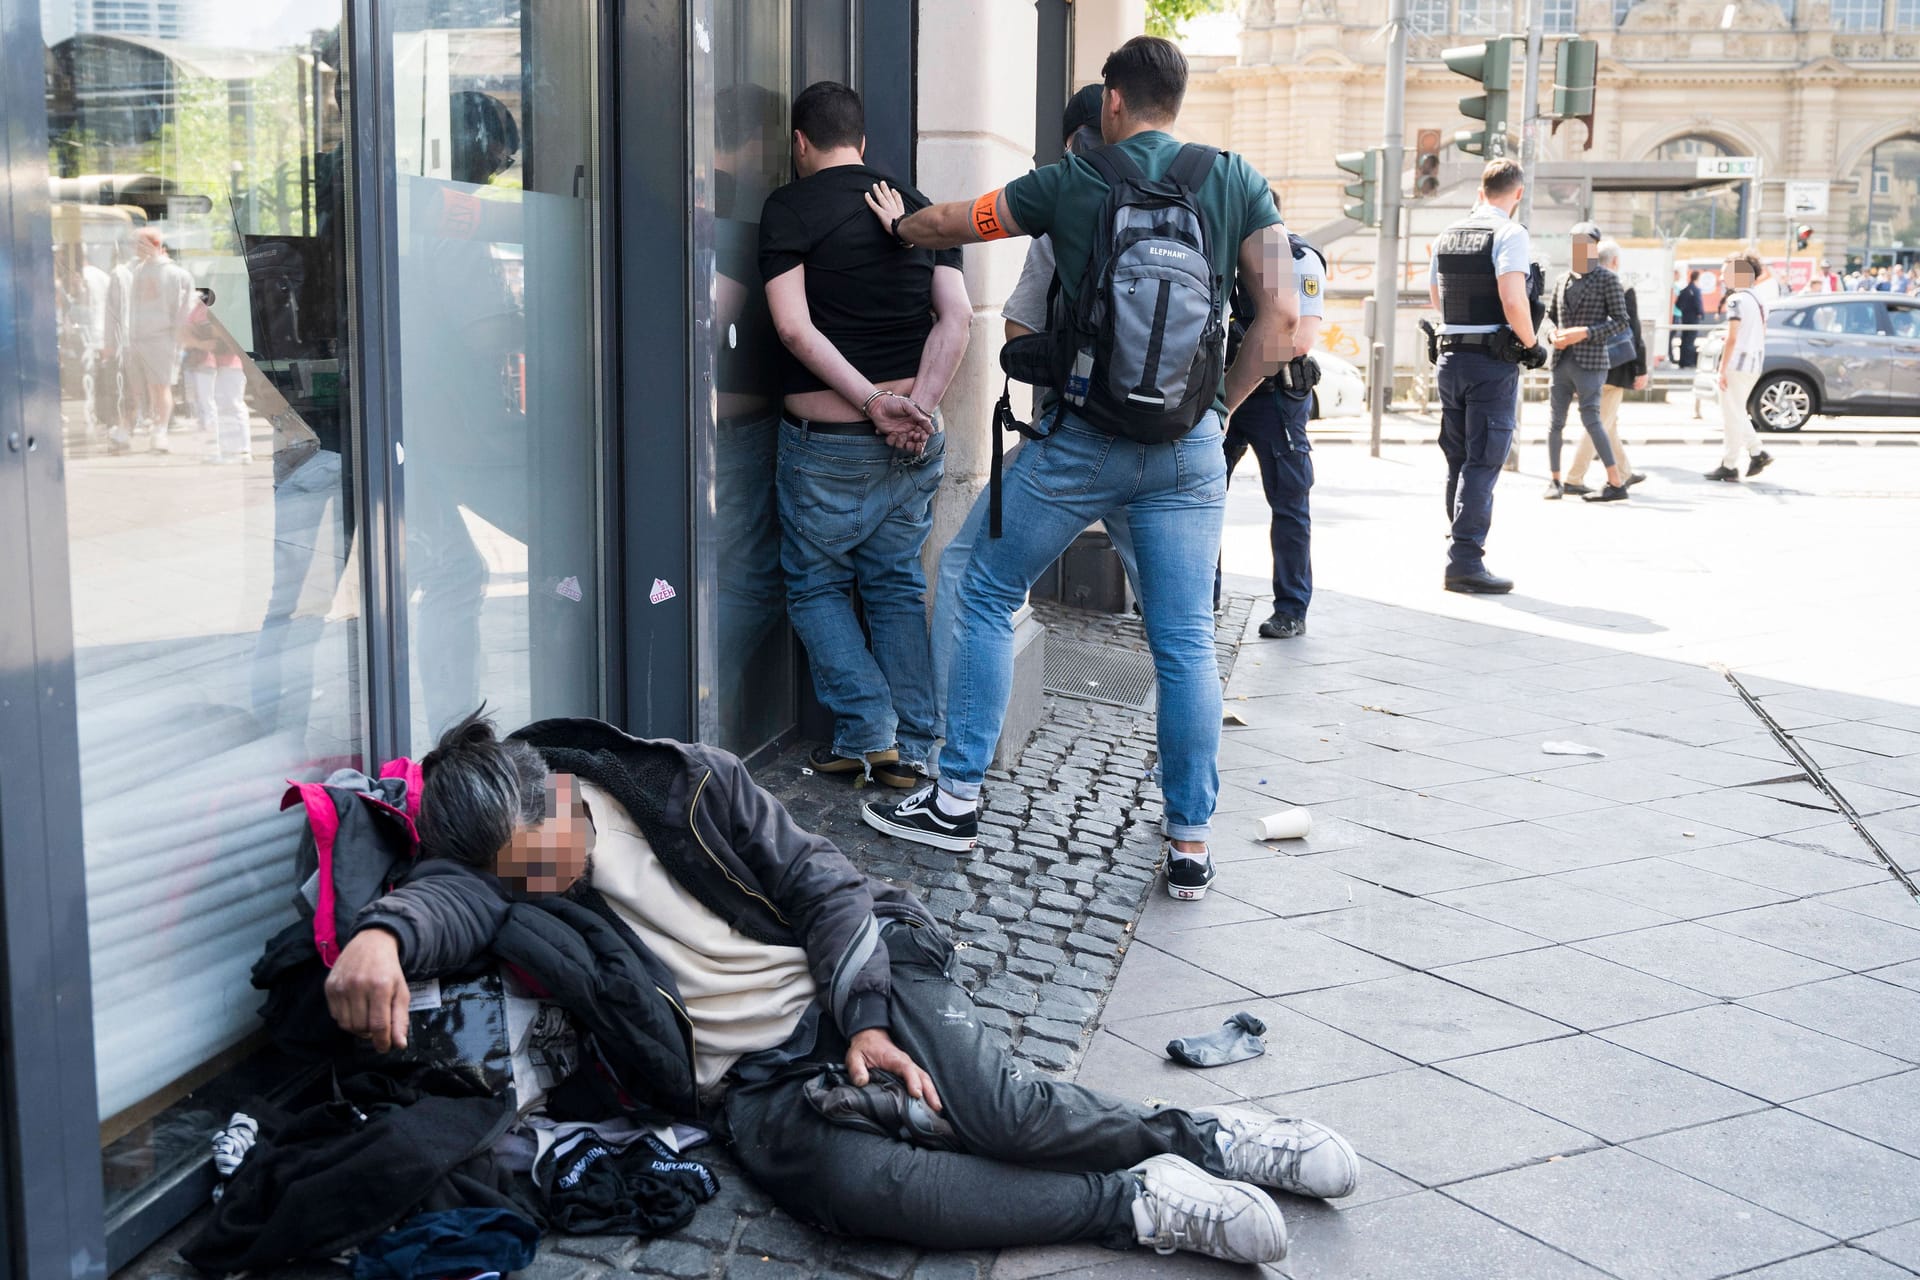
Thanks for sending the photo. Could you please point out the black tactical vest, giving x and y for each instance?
(1463, 264)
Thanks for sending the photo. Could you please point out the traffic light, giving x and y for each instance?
(1364, 165)
(1802, 237)
(1576, 65)
(1491, 63)
(1426, 164)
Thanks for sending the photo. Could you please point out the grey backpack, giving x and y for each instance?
(1142, 351)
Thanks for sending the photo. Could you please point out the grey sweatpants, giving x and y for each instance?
(1043, 1162)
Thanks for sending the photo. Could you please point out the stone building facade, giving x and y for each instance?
(1818, 89)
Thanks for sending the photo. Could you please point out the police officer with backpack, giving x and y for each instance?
(1487, 290)
(1273, 423)
(1148, 237)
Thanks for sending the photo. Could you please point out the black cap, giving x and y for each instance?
(1586, 229)
(1083, 109)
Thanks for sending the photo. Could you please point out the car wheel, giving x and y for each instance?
(1782, 402)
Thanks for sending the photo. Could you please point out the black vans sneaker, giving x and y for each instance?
(918, 818)
(1188, 878)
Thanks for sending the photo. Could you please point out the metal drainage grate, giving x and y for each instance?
(1100, 673)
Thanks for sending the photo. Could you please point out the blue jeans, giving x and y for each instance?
(1174, 496)
(854, 514)
(953, 568)
(1274, 425)
(1478, 396)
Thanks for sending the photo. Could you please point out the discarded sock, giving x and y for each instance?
(1237, 1040)
(231, 1144)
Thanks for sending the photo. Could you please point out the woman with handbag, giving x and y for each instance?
(1627, 354)
(1589, 311)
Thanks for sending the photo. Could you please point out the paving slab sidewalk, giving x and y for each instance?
(1648, 1013)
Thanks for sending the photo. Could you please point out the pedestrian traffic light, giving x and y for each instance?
(1364, 165)
(1576, 65)
(1802, 237)
(1426, 164)
(1491, 63)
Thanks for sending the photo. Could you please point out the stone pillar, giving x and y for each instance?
(1100, 27)
(977, 61)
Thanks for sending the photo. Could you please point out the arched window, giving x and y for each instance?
(1884, 225)
(1715, 213)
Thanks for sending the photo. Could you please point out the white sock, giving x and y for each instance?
(1142, 1220)
(1190, 857)
(952, 806)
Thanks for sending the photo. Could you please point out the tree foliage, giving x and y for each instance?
(1166, 17)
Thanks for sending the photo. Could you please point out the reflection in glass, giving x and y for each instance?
(752, 688)
(1884, 223)
(199, 239)
(494, 151)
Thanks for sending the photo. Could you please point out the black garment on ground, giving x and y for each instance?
(451, 1242)
(870, 297)
(391, 1143)
(1041, 1161)
(643, 1190)
(1236, 1040)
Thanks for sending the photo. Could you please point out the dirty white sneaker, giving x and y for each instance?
(1299, 1156)
(1182, 1206)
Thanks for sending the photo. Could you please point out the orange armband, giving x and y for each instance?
(986, 221)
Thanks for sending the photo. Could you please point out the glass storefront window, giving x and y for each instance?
(750, 692)
(496, 159)
(200, 242)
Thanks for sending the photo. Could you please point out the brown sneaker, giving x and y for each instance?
(824, 760)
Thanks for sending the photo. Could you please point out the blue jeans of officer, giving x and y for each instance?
(854, 513)
(1175, 498)
(953, 569)
(1274, 425)
(1477, 405)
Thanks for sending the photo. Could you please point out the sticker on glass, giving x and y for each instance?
(662, 591)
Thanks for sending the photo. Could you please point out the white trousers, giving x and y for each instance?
(1583, 452)
(220, 406)
(1741, 441)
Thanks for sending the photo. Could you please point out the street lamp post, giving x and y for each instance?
(1386, 269)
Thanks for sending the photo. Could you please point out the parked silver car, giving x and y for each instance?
(1832, 353)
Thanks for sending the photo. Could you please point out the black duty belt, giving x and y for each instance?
(861, 428)
(1461, 341)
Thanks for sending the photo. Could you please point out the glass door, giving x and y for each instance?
(495, 157)
(746, 653)
(198, 172)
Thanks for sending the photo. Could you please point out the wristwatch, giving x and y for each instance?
(900, 239)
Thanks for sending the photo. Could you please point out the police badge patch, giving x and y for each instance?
(1310, 286)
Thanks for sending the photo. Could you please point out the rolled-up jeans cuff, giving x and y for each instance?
(960, 790)
(1202, 832)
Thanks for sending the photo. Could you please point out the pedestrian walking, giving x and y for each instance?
(875, 330)
(1148, 236)
(1749, 298)
(1624, 375)
(1273, 424)
(1588, 310)
(1487, 290)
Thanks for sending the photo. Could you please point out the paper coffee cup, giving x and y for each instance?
(1288, 824)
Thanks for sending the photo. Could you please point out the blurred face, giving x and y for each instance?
(1582, 253)
(548, 856)
(147, 244)
(1739, 274)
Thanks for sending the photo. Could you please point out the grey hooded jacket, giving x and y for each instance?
(721, 837)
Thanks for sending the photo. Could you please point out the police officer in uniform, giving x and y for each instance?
(1487, 291)
(1273, 423)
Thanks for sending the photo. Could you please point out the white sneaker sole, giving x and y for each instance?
(1183, 894)
(933, 840)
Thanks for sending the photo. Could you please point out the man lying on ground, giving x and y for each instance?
(789, 963)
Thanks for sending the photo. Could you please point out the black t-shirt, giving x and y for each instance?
(871, 298)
